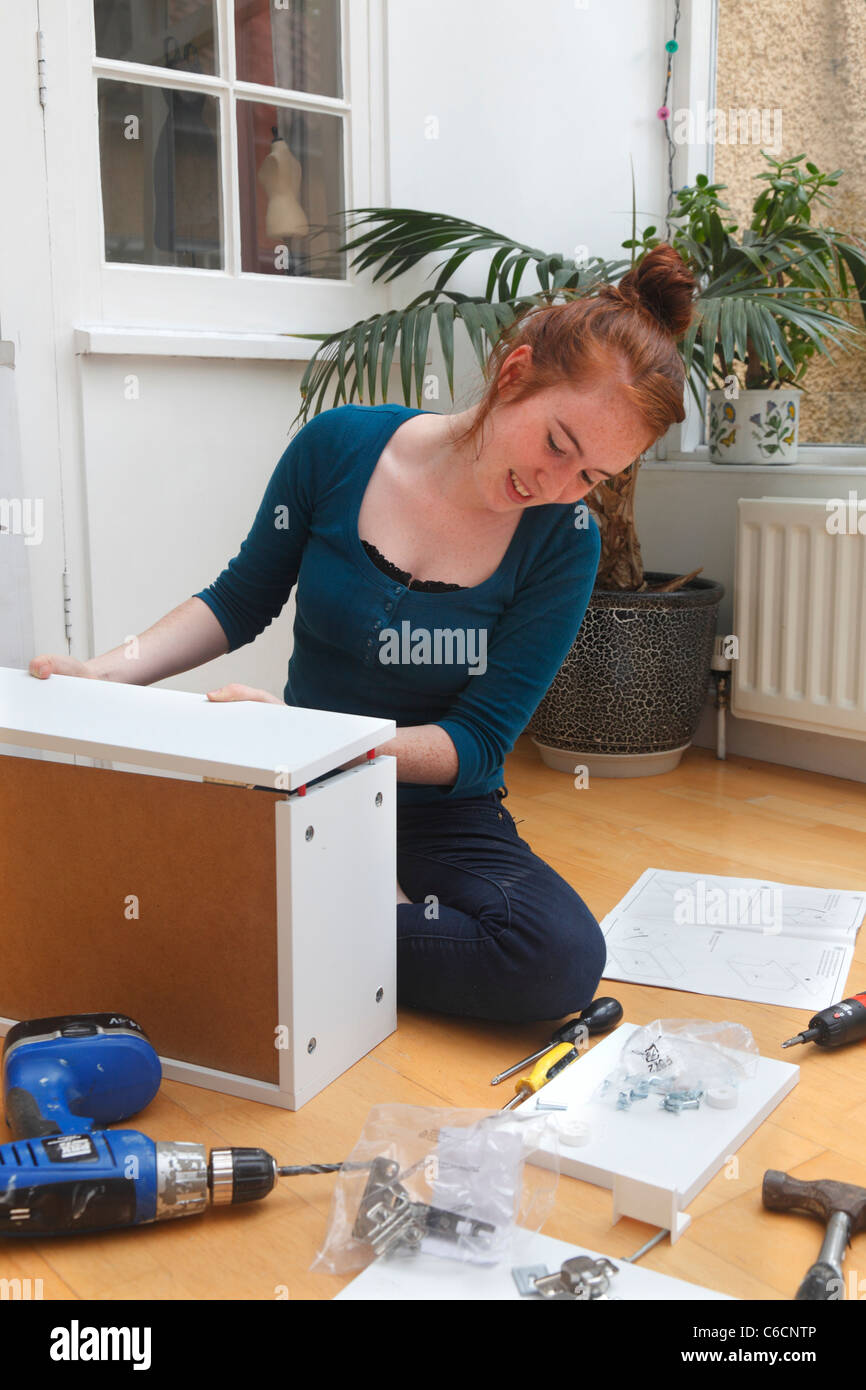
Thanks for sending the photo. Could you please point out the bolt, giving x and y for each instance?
(311, 1045)
(674, 1104)
(309, 832)
(685, 1095)
(380, 995)
(379, 798)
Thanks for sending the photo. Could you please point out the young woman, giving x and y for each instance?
(443, 566)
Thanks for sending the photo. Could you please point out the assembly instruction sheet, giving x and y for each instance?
(742, 938)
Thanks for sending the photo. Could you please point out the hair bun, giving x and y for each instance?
(662, 283)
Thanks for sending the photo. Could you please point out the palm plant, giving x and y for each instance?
(765, 299)
(763, 302)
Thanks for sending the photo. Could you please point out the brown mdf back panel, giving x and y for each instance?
(197, 968)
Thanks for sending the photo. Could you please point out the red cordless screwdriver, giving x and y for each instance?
(841, 1023)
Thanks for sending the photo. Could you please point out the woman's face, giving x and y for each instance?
(557, 444)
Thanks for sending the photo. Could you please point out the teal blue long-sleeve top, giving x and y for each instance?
(474, 661)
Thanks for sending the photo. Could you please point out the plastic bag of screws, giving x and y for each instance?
(451, 1183)
(680, 1064)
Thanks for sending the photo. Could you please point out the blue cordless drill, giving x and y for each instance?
(64, 1080)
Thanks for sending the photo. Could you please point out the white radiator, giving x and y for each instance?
(800, 615)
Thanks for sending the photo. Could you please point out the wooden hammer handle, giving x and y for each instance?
(822, 1198)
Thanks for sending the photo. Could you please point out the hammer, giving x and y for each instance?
(840, 1204)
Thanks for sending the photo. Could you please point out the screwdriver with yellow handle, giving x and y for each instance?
(597, 1017)
(555, 1060)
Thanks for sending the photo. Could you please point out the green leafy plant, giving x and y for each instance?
(763, 304)
(766, 297)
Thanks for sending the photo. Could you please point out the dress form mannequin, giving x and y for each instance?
(280, 176)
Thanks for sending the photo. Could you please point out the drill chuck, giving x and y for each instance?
(240, 1175)
(185, 1177)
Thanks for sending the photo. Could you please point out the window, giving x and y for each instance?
(802, 67)
(227, 139)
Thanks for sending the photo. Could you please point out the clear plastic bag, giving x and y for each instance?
(681, 1055)
(453, 1183)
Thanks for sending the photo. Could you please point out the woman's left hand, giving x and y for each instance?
(243, 692)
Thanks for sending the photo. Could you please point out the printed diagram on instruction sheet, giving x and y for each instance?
(740, 938)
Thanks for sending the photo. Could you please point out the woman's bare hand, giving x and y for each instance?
(243, 692)
(44, 666)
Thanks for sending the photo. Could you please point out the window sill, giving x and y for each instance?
(110, 340)
(812, 460)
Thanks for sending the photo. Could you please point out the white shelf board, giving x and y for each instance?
(654, 1162)
(177, 731)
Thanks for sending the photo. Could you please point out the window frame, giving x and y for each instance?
(693, 82)
(226, 300)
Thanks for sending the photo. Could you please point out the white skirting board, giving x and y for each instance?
(654, 1162)
(428, 1278)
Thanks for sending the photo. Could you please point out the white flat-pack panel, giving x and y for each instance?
(430, 1278)
(172, 730)
(655, 1162)
(337, 924)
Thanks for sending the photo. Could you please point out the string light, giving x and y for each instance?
(664, 114)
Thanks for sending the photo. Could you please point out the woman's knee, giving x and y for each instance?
(570, 960)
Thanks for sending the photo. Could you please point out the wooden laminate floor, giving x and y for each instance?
(735, 817)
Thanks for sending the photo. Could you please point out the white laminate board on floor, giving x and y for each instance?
(172, 730)
(654, 1162)
(429, 1278)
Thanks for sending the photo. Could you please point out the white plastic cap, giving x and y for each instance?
(571, 1130)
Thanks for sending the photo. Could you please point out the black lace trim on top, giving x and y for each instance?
(428, 586)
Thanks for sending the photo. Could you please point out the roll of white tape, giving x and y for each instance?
(722, 1097)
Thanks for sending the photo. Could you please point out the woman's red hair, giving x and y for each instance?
(630, 329)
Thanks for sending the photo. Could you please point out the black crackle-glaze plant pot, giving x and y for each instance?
(628, 697)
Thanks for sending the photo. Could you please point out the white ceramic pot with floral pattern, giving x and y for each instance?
(754, 426)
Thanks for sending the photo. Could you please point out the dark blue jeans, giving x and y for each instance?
(492, 931)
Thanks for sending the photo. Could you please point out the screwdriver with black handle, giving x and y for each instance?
(597, 1017)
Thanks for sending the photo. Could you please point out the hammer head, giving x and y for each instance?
(822, 1198)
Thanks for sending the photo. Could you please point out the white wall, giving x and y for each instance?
(540, 108)
(526, 119)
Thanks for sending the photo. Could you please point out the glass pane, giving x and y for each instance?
(164, 33)
(159, 156)
(291, 191)
(294, 44)
(799, 96)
